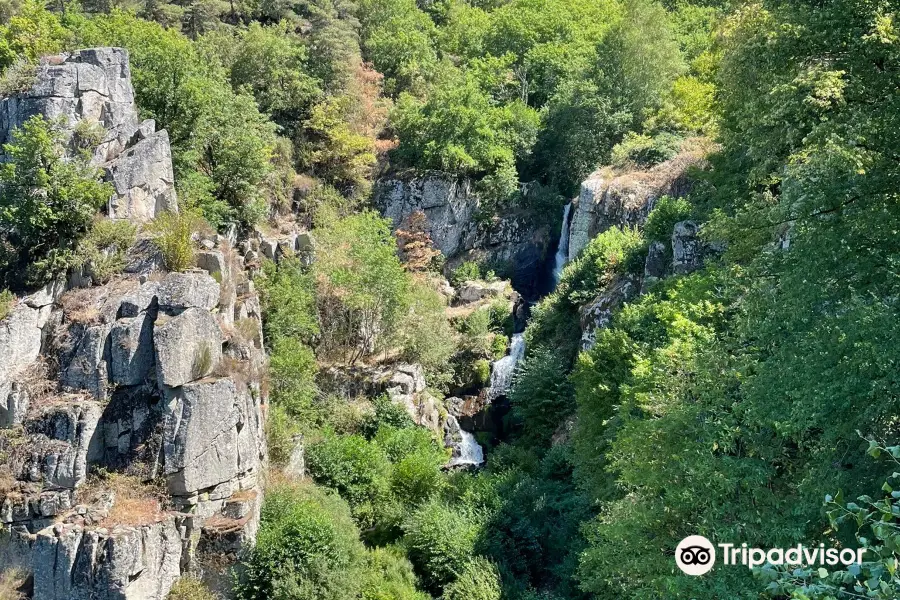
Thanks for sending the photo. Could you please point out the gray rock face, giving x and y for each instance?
(209, 435)
(58, 443)
(92, 84)
(687, 248)
(93, 87)
(131, 350)
(654, 265)
(597, 315)
(188, 290)
(144, 181)
(134, 563)
(474, 291)
(449, 205)
(188, 346)
(609, 198)
(88, 369)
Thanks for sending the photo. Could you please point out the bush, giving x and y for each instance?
(190, 588)
(292, 371)
(390, 576)
(467, 271)
(172, 234)
(102, 252)
(357, 469)
(425, 334)
(280, 432)
(288, 296)
(661, 220)
(481, 371)
(387, 414)
(362, 289)
(499, 344)
(645, 151)
(47, 204)
(307, 549)
(7, 302)
(440, 540)
(541, 395)
(479, 580)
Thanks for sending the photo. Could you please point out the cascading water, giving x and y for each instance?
(562, 250)
(466, 451)
(503, 369)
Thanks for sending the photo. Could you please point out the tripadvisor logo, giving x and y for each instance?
(696, 555)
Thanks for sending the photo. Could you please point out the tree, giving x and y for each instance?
(307, 548)
(48, 203)
(362, 287)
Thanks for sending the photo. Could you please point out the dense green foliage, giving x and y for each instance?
(47, 204)
(726, 402)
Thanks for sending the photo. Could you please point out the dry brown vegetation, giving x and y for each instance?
(135, 503)
(12, 582)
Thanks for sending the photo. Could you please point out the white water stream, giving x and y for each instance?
(562, 250)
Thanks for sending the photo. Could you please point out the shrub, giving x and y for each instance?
(362, 289)
(12, 584)
(481, 371)
(289, 301)
(357, 469)
(467, 271)
(661, 220)
(190, 588)
(18, 77)
(644, 150)
(479, 580)
(280, 432)
(7, 302)
(172, 234)
(292, 371)
(390, 576)
(425, 333)
(102, 252)
(47, 203)
(387, 414)
(498, 346)
(440, 540)
(308, 548)
(540, 395)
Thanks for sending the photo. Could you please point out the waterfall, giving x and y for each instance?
(562, 250)
(503, 369)
(466, 450)
(470, 453)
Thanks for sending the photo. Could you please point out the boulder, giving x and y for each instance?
(598, 314)
(139, 300)
(474, 291)
(129, 563)
(59, 439)
(143, 179)
(131, 350)
(655, 266)
(87, 369)
(188, 346)
(687, 248)
(212, 435)
(195, 289)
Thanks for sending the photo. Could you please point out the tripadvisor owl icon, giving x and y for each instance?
(695, 555)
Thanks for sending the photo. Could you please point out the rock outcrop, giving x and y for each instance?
(146, 379)
(512, 243)
(611, 197)
(91, 90)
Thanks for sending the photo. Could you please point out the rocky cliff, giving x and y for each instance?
(90, 91)
(132, 413)
(625, 196)
(510, 243)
